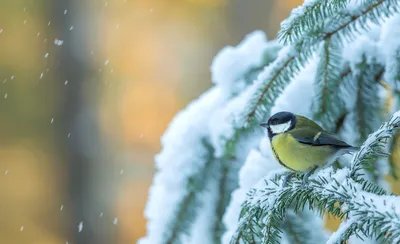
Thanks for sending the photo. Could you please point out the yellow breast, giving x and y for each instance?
(298, 156)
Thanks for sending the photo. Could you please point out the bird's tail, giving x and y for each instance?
(354, 149)
(350, 150)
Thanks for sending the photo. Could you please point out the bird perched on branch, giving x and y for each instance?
(301, 145)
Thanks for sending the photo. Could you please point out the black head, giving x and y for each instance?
(279, 123)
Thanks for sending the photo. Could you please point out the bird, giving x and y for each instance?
(301, 145)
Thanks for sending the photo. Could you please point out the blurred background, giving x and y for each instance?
(87, 87)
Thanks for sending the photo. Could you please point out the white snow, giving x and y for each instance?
(58, 42)
(234, 115)
(80, 226)
(390, 47)
(182, 152)
(336, 236)
(361, 47)
(202, 226)
(231, 63)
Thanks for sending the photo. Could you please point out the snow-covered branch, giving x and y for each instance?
(375, 144)
(303, 18)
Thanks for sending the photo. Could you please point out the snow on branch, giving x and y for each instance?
(349, 23)
(375, 144)
(330, 191)
(361, 88)
(328, 107)
(184, 151)
(390, 46)
(232, 65)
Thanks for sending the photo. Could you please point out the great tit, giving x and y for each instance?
(301, 145)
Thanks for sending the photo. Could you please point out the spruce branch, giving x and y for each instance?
(328, 107)
(368, 101)
(186, 209)
(303, 18)
(269, 85)
(374, 145)
(349, 23)
(227, 183)
(334, 192)
(296, 231)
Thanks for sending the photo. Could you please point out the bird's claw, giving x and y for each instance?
(306, 175)
(304, 182)
(287, 178)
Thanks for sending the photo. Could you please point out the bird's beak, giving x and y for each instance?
(263, 125)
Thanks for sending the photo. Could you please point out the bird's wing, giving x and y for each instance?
(321, 138)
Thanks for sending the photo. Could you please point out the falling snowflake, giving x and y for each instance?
(58, 42)
(80, 226)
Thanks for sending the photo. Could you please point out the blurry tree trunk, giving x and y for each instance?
(77, 124)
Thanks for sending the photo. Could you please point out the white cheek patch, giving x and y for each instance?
(276, 129)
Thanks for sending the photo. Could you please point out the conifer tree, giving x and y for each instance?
(335, 61)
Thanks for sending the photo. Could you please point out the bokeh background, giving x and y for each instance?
(87, 87)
